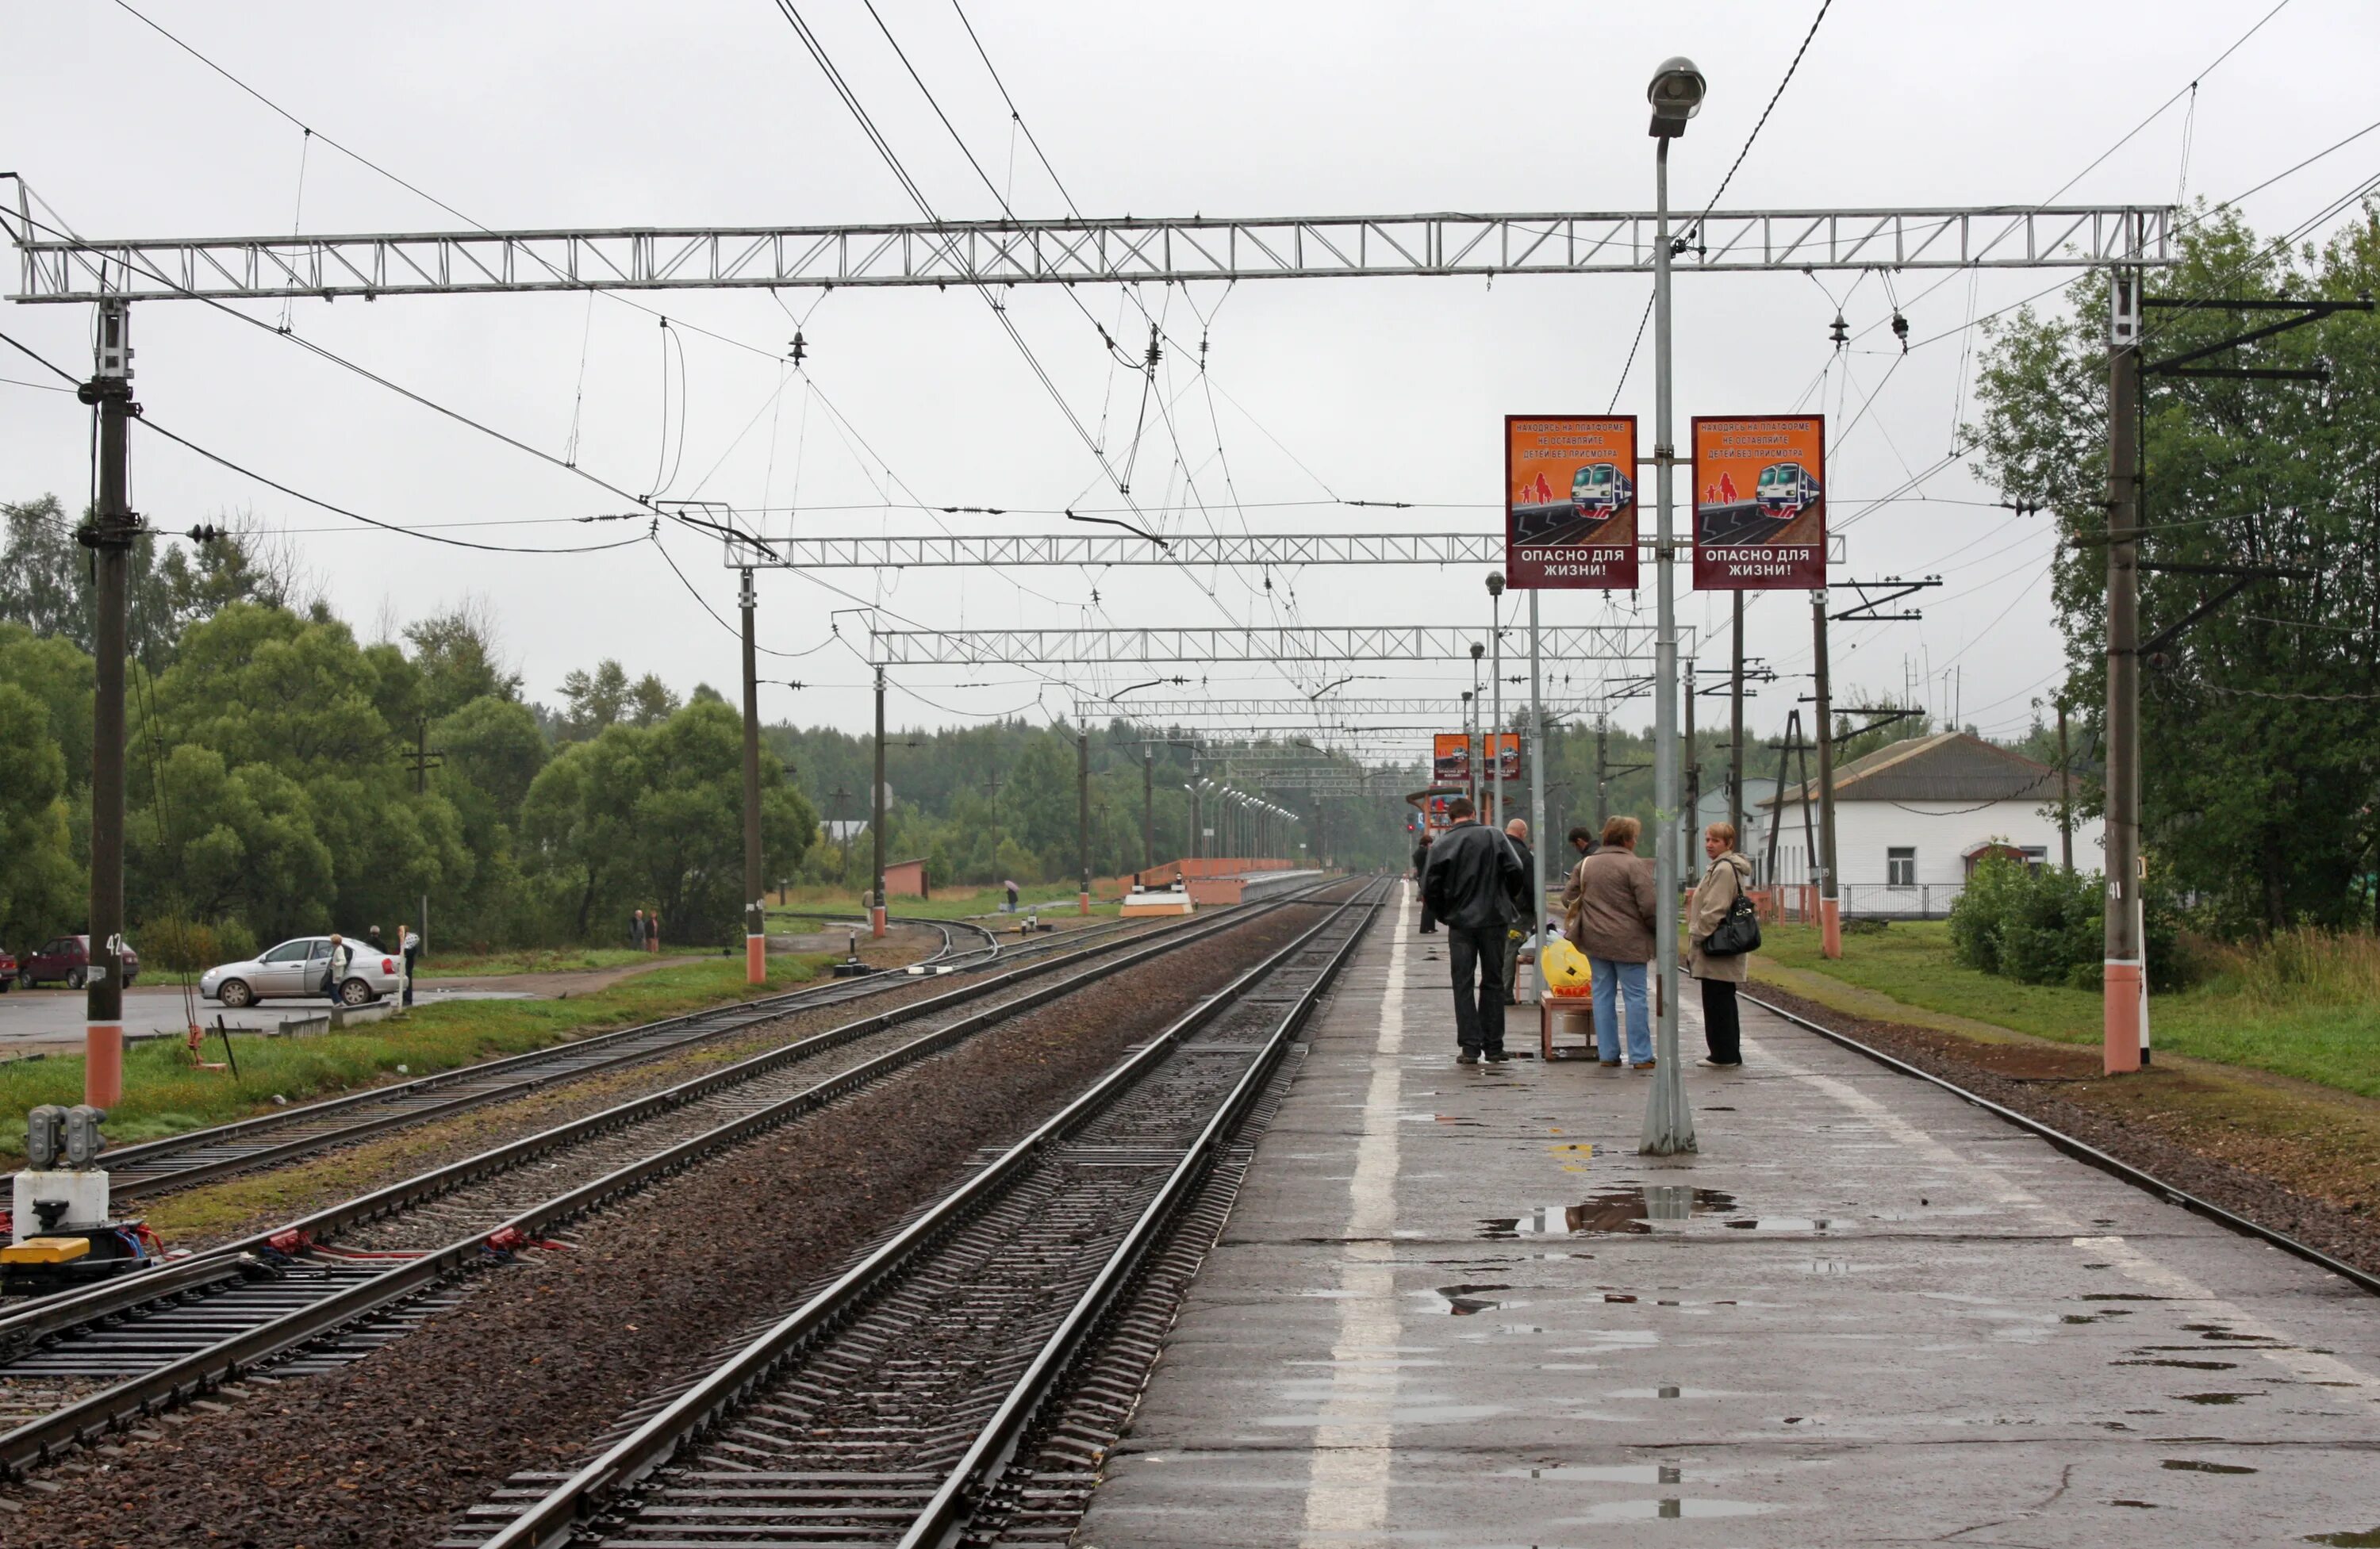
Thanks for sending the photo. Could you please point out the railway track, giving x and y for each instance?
(197, 1155)
(960, 1381)
(74, 1366)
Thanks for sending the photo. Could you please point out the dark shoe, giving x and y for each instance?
(1497, 1057)
(1646, 1065)
(1610, 1064)
(1468, 1057)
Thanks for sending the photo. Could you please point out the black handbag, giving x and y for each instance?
(1737, 934)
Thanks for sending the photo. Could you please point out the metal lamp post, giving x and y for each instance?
(1496, 694)
(1676, 95)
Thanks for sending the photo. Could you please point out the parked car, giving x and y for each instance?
(294, 970)
(66, 960)
(7, 970)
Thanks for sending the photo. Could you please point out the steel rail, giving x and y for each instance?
(52, 1316)
(554, 1518)
(565, 1055)
(37, 1440)
(2083, 1151)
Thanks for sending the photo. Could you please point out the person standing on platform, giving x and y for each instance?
(636, 931)
(1525, 919)
(1724, 881)
(1473, 877)
(412, 955)
(1611, 920)
(1582, 844)
(1421, 880)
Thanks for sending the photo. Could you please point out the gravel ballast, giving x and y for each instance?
(527, 1370)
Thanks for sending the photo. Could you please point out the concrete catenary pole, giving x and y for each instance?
(111, 536)
(756, 922)
(2125, 986)
(2065, 795)
(1830, 913)
(1688, 830)
(1147, 807)
(1668, 1122)
(1083, 813)
(1538, 754)
(1735, 729)
(876, 818)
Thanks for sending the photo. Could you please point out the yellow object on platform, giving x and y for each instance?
(1566, 969)
(45, 1250)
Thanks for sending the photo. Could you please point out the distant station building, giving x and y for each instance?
(1913, 819)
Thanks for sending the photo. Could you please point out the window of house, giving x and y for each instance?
(1901, 865)
(2036, 856)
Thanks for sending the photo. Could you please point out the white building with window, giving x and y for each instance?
(1912, 820)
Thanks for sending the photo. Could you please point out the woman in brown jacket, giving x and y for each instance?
(1608, 914)
(1724, 881)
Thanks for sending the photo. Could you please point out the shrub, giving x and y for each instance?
(2046, 926)
(2307, 963)
(178, 946)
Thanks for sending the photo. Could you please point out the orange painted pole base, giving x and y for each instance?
(2121, 1009)
(756, 959)
(1830, 926)
(1084, 901)
(103, 1063)
(876, 919)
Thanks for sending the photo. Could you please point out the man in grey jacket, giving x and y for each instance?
(1474, 884)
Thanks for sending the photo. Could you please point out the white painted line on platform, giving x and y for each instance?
(2304, 1365)
(1347, 1477)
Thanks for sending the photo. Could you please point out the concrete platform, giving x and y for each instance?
(1455, 1307)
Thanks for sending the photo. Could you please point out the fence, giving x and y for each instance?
(1861, 900)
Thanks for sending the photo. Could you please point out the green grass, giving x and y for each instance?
(536, 959)
(948, 904)
(2327, 1040)
(162, 1095)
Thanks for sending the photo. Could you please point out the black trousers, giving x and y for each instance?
(1478, 1007)
(1721, 1029)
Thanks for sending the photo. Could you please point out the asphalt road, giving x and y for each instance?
(51, 1020)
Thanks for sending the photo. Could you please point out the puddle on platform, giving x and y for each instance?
(1672, 1506)
(1667, 1391)
(1613, 1212)
(1464, 1300)
(2368, 1539)
(2144, 1505)
(2191, 1465)
(1608, 1473)
(2186, 1366)
(1778, 1223)
(2215, 1398)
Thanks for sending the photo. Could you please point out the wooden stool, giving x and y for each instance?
(1551, 1005)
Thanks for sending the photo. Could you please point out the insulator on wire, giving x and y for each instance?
(1900, 330)
(1840, 333)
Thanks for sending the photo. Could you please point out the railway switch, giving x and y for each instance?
(61, 1199)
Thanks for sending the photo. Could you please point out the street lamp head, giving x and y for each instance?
(1495, 583)
(1676, 95)
(1477, 650)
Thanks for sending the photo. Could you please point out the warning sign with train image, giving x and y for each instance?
(1760, 503)
(1570, 501)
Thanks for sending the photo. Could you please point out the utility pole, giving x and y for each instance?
(1831, 920)
(876, 822)
(1693, 813)
(1082, 811)
(1602, 783)
(1735, 729)
(1537, 793)
(110, 536)
(423, 759)
(756, 917)
(2125, 981)
(1147, 807)
(2065, 795)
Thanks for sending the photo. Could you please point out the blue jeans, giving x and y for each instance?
(1627, 980)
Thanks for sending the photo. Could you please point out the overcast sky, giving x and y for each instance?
(710, 111)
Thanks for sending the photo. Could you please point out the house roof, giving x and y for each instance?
(1946, 767)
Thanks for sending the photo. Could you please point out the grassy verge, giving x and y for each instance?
(531, 960)
(946, 904)
(162, 1095)
(2334, 1044)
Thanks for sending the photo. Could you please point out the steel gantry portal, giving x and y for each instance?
(60, 266)
(963, 647)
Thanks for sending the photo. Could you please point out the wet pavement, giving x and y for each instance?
(1453, 1306)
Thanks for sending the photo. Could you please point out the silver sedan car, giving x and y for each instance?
(296, 969)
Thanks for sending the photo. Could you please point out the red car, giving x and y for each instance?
(67, 960)
(7, 970)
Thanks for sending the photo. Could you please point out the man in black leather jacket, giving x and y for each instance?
(1473, 883)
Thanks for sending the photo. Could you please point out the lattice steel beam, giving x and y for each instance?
(1070, 252)
(908, 648)
(1310, 711)
(1104, 549)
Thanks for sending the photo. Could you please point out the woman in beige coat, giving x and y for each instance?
(1726, 881)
